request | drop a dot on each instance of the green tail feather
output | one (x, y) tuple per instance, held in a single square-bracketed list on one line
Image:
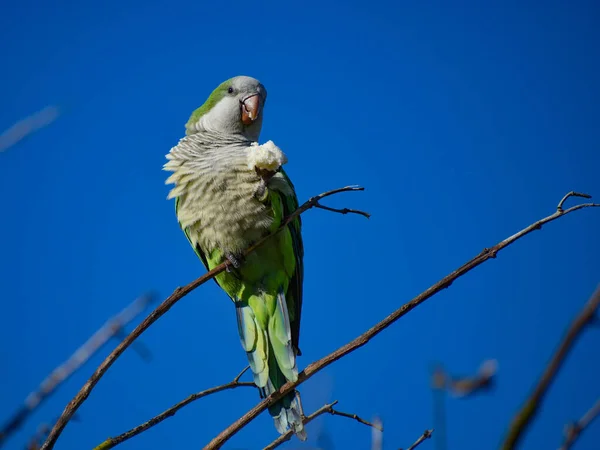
[(273, 362), (287, 412)]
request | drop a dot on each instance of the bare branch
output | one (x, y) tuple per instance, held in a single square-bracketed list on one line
[(426, 435), (113, 442), (377, 426), (571, 194), (27, 126), (239, 375), (344, 211), (574, 430), (463, 386), (326, 409), (364, 338), (40, 435), (524, 417), (161, 309), (75, 361)]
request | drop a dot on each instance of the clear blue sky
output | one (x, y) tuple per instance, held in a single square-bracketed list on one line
[(464, 122)]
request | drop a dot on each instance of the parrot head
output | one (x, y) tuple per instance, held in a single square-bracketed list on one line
[(234, 107)]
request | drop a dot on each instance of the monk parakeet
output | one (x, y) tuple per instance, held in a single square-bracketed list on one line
[(230, 192)]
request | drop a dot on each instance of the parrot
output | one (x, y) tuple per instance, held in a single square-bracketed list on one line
[(226, 199)]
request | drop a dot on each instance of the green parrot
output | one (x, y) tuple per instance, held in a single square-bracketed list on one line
[(230, 192)]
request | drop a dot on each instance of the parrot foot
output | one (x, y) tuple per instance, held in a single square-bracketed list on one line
[(236, 261), (261, 193)]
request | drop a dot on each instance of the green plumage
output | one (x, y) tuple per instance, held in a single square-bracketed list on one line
[(213, 99)]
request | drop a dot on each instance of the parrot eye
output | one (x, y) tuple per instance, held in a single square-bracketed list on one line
[(230, 90)]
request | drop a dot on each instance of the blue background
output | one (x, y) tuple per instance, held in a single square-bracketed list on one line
[(465, 122)]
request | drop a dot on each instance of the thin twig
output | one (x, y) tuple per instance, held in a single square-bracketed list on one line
[(27, 126), (426, 435), (40, 435), (574, 430), (113, 442), (161, 309), (364, 338), (344, 211), (75, 361), (464, 386), (525, 416), (377, 426), (571, 194), (326, 409)]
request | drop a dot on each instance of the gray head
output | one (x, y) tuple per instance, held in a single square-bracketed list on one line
[(234, 107)]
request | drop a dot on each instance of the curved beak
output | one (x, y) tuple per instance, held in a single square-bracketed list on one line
[(250, 108)]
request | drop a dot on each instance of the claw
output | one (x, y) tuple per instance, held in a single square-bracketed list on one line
[(261, 191), (234, 260)]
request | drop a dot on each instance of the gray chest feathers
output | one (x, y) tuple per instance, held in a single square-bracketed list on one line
[(217, 196), (222, 211)]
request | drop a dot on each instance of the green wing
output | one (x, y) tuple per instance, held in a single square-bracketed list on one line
[(294, 294)]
